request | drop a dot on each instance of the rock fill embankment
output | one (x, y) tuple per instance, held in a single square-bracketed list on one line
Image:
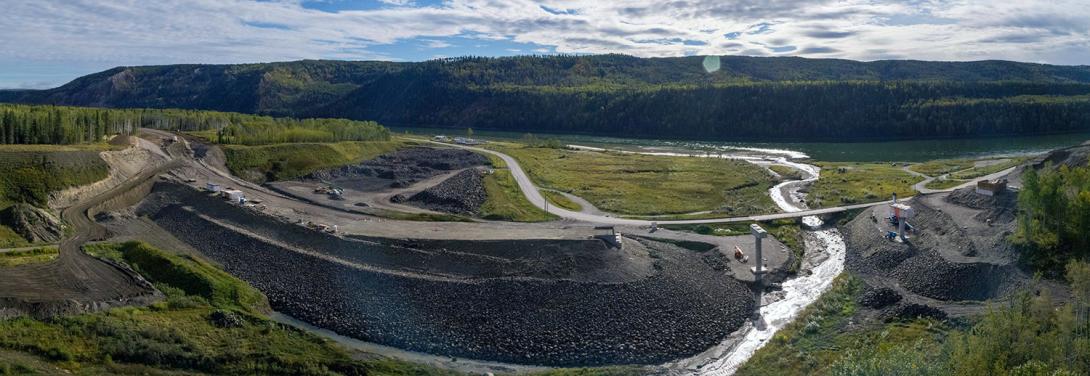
[(681, 308), (400, 169)]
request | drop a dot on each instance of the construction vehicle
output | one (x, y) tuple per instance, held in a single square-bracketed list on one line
[(332, 190), (739, 255)]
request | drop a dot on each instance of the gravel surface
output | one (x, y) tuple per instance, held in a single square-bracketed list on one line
[(462, 193), (400, 169), (879, 297), (568, 303), (953, 256)]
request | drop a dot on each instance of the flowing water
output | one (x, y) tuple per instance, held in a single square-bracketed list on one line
[(885, 151), (823, 262)]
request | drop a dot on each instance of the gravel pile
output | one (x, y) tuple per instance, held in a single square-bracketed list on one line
[(879, 297), (400, 169), (680, 309), (945, 259), (931, 275), (462, 193)]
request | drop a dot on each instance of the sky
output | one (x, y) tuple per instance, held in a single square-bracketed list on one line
[(46, 43)]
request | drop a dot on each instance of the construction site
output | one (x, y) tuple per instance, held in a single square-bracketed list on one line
[(562, 293), (587, 290)]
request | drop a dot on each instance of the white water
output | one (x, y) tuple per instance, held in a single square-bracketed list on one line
[(824, 260)]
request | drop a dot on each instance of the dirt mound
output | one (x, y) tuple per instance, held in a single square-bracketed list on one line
[(400, 169), (33, 224), (462, 193), (879, 297)]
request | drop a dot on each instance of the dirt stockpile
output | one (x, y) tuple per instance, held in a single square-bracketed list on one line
[(954, 254), (400, 169), (33, 224), (462, 193), (679, 309)]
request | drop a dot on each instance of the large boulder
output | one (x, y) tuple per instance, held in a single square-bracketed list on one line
[(32, 223)]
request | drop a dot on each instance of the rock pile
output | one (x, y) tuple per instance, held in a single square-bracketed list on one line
[(462, 193), (374, 291), (879, 297), (400, 169), (33, 224), (911, 311)]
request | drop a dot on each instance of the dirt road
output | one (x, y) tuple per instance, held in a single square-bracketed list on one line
[(76, 282)]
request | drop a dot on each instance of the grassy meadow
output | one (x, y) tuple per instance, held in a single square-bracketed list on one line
[(632, 184), (846, 183)]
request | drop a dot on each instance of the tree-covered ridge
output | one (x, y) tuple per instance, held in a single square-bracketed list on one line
[(1054, 215), (23, 124), (747, 98)]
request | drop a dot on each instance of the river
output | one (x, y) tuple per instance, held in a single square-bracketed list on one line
[(898, 151), (823, 262)]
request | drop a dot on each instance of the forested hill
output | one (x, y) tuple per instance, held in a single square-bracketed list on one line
[(746, 98)]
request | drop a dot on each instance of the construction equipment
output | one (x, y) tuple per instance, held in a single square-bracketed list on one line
[(334, 191)]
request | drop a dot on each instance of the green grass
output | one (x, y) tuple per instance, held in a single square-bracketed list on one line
[(289, 161), (507, 203), (561, 200), (789, 173), (11, 239), (855, 183), (942, 167), (944, 183), (631, 184), (193, 276), (28, 256), (177, 335), (977, 172), (826, 332), (29, 173)]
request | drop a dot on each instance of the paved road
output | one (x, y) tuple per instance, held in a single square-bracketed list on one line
[(534, 196)]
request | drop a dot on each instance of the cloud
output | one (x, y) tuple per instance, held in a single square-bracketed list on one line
[(104, 33), (817, 50), (828, 34)]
